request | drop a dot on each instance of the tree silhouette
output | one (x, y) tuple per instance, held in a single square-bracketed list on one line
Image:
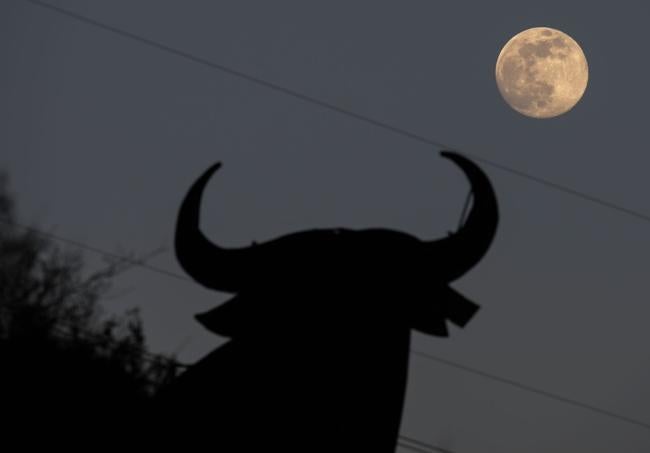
[(65, 364)]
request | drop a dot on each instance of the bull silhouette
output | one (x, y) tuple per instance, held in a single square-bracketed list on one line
[(319, 329)]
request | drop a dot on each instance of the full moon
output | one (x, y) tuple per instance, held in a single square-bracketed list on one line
[(542, 72)]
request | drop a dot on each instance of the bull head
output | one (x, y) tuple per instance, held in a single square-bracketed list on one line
[(390, 262)]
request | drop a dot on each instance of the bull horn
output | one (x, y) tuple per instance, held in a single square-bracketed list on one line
[(210, 265), (463, 249)]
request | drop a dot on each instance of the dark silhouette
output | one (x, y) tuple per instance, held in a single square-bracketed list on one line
[(320, 329), (68, 372)]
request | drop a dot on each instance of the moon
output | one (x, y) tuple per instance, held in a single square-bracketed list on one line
[(542, 72)]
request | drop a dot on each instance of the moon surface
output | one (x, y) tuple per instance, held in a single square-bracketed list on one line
[(542, 72)]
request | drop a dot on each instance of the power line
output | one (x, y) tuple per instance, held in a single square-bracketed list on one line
[(94, 249), (411, 448), (225, 69), (332, 107), (562, 188), (419, 445), (531, 389), (419, 449)]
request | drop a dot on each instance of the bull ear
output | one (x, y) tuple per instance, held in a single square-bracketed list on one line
[(449, 305), (227, 320), (435, 326), (429, 318), (458, 309)]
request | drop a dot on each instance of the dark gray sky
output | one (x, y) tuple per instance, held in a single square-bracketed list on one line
[(102, 136)]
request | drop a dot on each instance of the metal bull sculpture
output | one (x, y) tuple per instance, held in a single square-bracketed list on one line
[(319, 329)]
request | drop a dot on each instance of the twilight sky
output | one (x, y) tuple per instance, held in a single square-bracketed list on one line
[(102, 136)]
